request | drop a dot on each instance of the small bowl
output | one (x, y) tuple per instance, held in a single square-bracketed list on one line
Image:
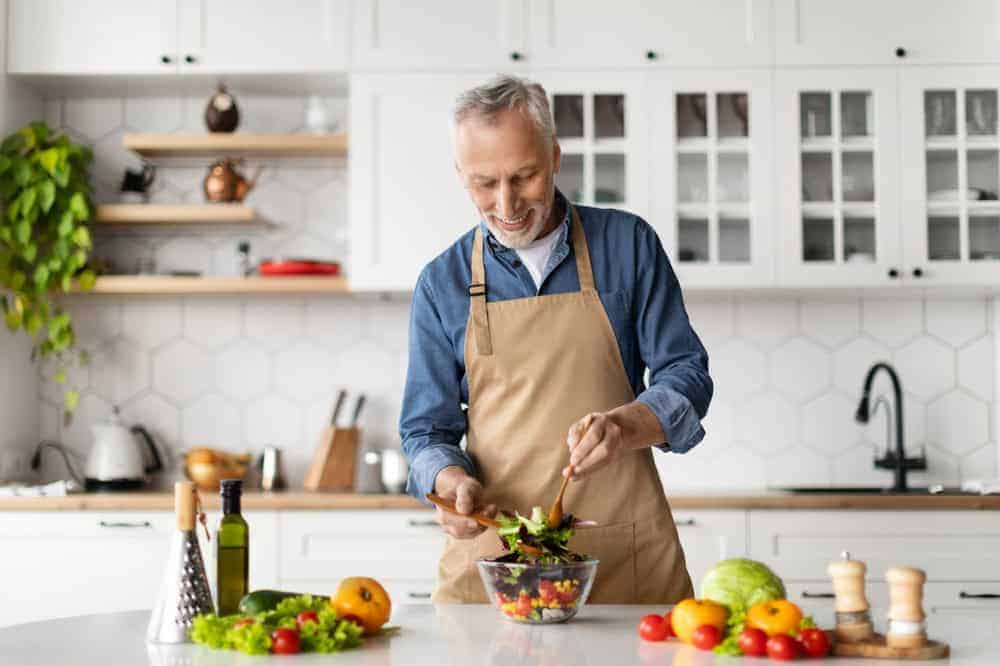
[(538, 593)]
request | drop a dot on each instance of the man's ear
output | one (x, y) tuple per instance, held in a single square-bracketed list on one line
[(556, 156)]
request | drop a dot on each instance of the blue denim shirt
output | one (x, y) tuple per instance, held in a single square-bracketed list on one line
[(639, 291)]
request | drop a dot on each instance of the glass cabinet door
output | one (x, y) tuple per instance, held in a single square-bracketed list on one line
[(951, 174), (836, 180), (600, 130), (711, 173)]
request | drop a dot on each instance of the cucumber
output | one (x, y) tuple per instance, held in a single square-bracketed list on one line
[(259, 601)]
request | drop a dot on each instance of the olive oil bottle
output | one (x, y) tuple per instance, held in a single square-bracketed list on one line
[(233, 554)]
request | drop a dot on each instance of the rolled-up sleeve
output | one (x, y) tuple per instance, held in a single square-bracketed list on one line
[(432, 421), (680, 388)]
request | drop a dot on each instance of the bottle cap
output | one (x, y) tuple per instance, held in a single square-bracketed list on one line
[(230, 487)]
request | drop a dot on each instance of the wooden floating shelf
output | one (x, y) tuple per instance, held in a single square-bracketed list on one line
[(167, 284), (219, 213), (236, 144)]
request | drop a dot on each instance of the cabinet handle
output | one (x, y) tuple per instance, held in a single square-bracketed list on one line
[(419, 595), (165, 59), (651, 55), (900, 52), (144, 523), (516, 55), (687, 522), (806, 594), (986, 595), (893, 273), (422, 523), (190, 59), (918, 272)]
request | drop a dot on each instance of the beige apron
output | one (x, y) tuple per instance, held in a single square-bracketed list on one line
[(535, 366)]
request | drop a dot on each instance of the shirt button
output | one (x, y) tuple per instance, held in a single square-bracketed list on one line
[(517, 263)]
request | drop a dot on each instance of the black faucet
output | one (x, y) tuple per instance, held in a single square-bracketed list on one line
[(894, 460)]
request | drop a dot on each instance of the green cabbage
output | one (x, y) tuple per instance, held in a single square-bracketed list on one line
[(740, 583)]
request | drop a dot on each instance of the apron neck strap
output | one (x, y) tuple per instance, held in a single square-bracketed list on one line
[(583, 268), (477, 297)]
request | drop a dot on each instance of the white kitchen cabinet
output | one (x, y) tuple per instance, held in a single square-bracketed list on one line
[(91, 36), (861, 32), (449, 35), (286, 36), (837, 177), (57, 564), (711, 166), (61, 563), (951, 153), (602, 127), (406, 202), (400, 549), (601, 35), (709, 536), (951, 546), (143, 37)]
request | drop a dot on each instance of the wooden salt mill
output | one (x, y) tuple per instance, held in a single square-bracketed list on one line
[(906, 613), (852, 610)]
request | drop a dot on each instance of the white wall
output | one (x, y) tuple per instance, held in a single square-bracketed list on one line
[(18, 379)]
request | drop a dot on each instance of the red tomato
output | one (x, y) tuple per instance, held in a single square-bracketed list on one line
[(753, 642), (782, 647), (815, 642), (524, 605), (306, 616), (653, 628), (706, 637), (669, 618), (242, 623), (547, 591), (284, 641)]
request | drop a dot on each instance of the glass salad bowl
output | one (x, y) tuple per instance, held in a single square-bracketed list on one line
[(535, 593)]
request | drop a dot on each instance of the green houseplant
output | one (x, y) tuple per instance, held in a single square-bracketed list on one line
[(44, 240)]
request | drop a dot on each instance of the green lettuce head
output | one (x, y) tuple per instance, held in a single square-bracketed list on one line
[(740, 583)]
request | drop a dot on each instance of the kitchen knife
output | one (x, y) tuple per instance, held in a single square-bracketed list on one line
[(357, 410), (341, 396)]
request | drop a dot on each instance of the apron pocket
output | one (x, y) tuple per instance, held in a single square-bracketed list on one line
[(614, 546)]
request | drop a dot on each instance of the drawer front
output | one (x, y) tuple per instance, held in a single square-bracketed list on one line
[(386, 545), (74, 563), (710, 536), (948, 545), (402, 592)]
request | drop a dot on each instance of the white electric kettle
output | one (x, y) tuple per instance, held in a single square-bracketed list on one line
[(116, 460)]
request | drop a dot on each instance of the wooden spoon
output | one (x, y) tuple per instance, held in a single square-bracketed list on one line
[(449, 506), (556, 512)]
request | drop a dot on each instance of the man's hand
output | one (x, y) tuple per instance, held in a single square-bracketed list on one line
[(455, 484), (599, 438)]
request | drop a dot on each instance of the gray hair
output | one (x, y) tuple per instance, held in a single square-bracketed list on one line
[(506, 92)]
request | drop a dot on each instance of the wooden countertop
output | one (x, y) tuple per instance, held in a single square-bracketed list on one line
[(331, 501)]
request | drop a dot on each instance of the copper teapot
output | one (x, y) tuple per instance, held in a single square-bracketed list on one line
[(224, 183)]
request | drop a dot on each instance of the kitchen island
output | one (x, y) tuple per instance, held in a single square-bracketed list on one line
[(440, 635)]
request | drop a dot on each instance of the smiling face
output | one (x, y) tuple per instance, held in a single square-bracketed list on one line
[(509, 168)]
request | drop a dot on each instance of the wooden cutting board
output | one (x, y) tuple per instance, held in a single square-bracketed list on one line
[(875, 648)]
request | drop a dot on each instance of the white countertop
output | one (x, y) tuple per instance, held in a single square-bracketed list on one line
[(440, 635)]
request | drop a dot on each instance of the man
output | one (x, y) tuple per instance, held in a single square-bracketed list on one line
[(542, 321)]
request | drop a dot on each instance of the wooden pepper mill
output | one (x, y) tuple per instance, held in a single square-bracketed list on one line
[(852, 610), (906, 613)]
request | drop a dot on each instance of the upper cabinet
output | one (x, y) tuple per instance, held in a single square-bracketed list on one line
[(91, 36), (862, 32), (711, 158), (456, 35), (406, 202), (951, 174), (142, 37), (638, 33), (837, 177), (290, 36)]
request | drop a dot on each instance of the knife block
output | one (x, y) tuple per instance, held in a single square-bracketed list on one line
[(333, 464)]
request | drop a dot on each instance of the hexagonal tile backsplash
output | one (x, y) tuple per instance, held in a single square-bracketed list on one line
[(241, 373)]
